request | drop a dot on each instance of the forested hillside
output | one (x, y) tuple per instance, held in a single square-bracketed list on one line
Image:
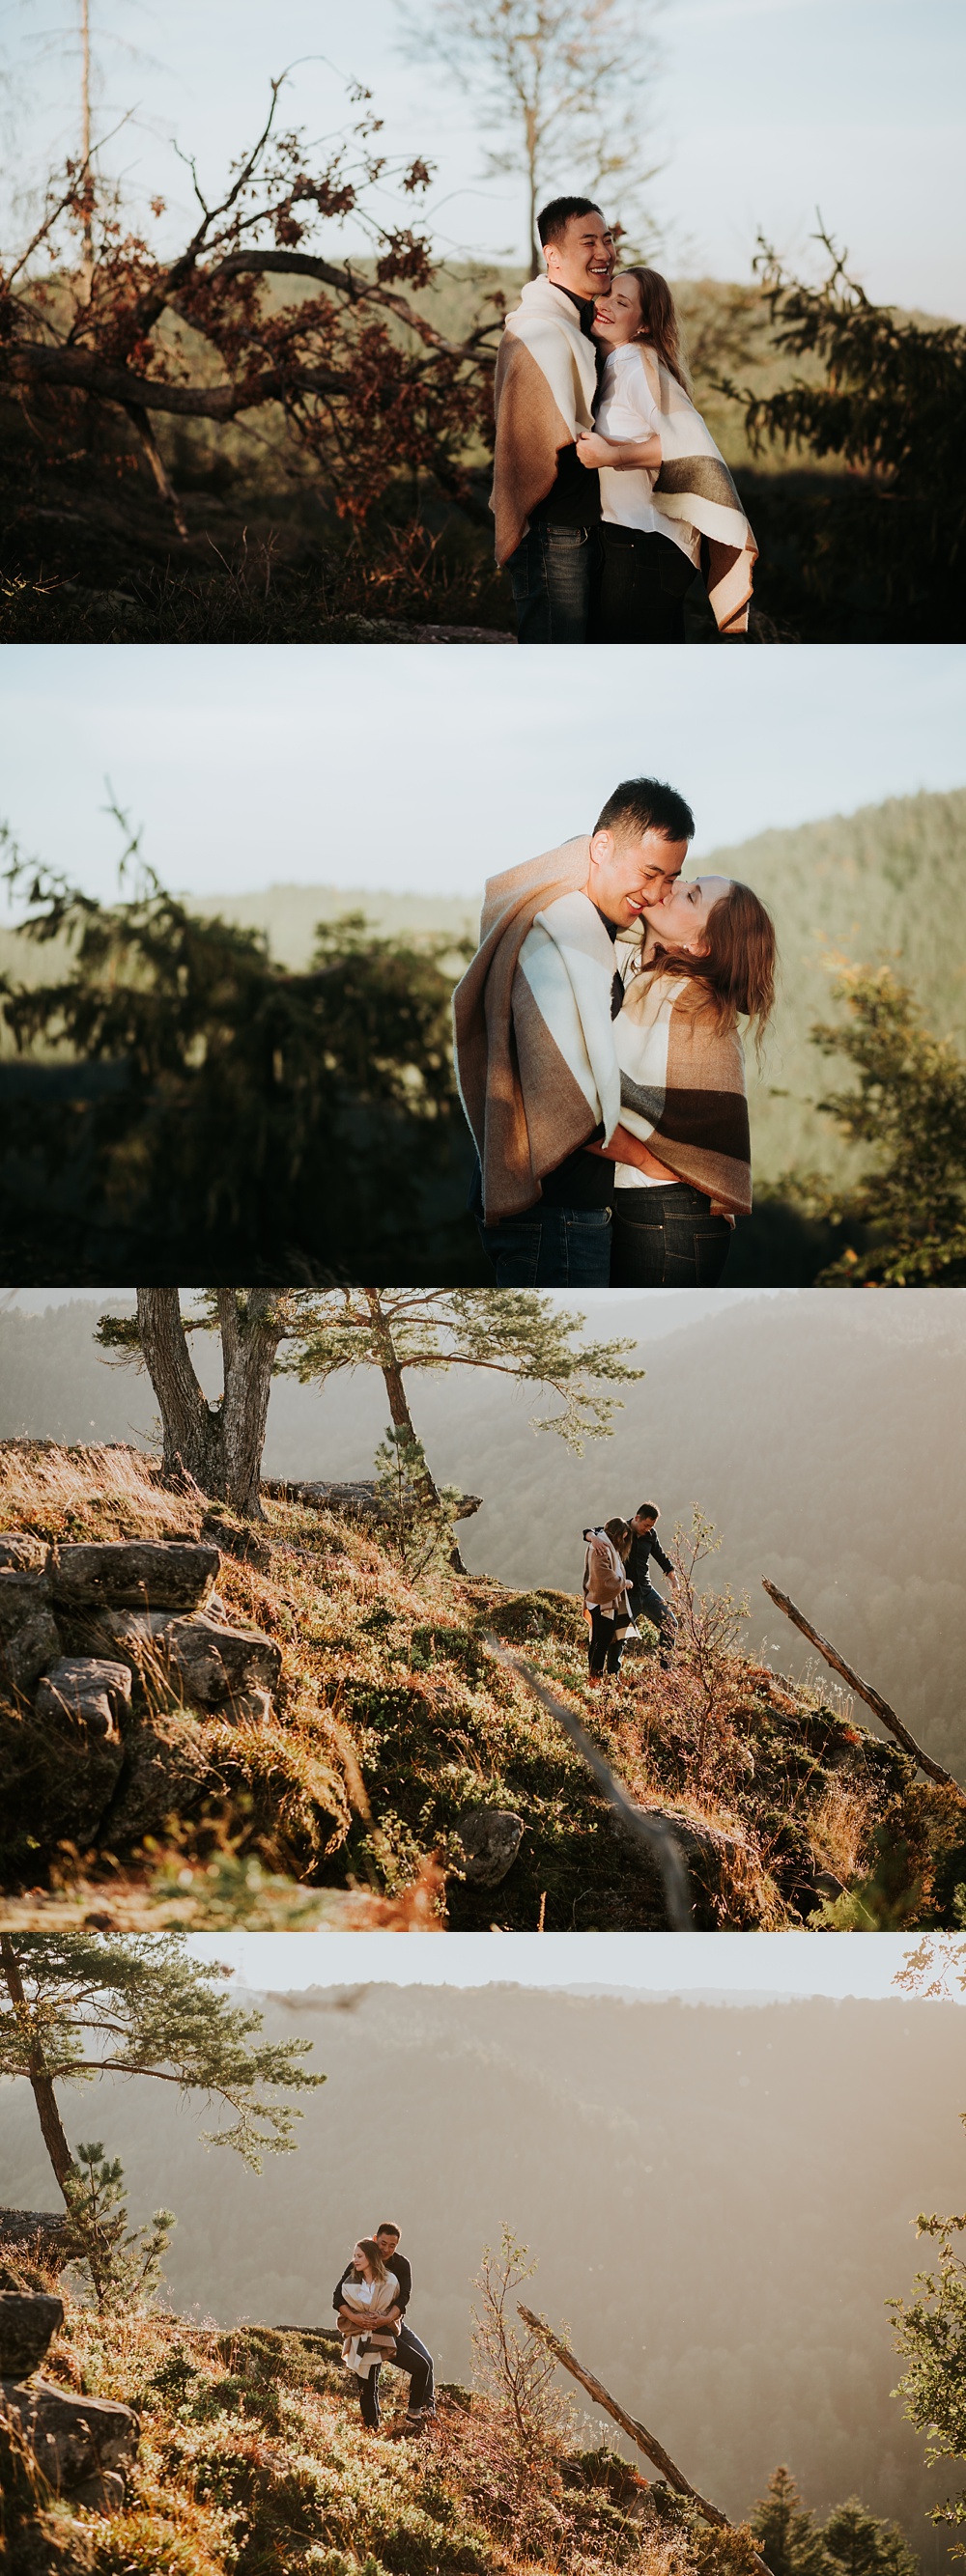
[(720, 2200)]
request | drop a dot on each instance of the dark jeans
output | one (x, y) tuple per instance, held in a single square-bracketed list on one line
[(369, 2398), (551, 574), (411, 2355), (606, 1644), (647, 1604), (667, 1238), (550, 1247), (638, 596)]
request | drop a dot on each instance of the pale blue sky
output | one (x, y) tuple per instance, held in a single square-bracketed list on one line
[(422, 769), (764, 110), (730, 1963)]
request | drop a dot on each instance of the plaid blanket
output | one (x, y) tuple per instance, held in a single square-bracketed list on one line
[(683, 1088), (694, 490), (546, 383), (548, 1053), (535, 1057)]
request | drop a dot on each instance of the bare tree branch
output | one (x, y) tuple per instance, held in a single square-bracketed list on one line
[(872, 1698), (638, 2433)]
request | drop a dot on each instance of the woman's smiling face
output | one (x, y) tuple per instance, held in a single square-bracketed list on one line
[(681, 921), (618, 316)]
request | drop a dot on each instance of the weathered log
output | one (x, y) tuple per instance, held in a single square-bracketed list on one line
[(873, 1698), (360, 1500), (648, 1831), (638, 2433)]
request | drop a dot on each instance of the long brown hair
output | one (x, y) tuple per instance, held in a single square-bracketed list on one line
[(659, 322), (368, 2247), (739, 961), (618, 1532)]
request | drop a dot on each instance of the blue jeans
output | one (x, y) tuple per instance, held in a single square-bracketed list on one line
[(648, 1603), (411, 2355), (550, 1247), (667, 1238), (551, 573)]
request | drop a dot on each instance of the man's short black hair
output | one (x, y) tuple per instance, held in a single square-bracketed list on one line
[(647, 805), (647, 1512), (552, 223), (388, 2227)]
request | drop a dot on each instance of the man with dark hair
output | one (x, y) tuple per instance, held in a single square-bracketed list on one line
[(645, 1601), (410, 2355), (535, 1054), (546, 504)]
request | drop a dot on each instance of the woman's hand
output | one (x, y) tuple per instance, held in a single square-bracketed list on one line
[(593, 450), (624, 454)]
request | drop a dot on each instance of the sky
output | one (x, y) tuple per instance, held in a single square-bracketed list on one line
[(729, 1963), (422, 771), (763, 112)]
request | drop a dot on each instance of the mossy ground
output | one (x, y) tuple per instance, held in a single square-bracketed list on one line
[(394, 1716), (252, 2461)]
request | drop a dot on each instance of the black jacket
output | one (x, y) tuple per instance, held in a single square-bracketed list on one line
[(642, 1549)]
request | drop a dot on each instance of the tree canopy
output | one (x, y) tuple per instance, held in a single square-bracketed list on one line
[(78, 2005), (909, 1105)]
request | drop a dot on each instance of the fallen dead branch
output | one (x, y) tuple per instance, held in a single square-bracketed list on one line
[(873, 1698), (657, 1839), (638, 2433)]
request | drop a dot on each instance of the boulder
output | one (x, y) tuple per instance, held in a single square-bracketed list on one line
[(88, 1689), (36, 2234), (491, 1838), (28, 1635), (215, 1663), (134, 1574), (58, 1773), (167, 1773), (29, 2320), (73, 2439), (21, 1551)]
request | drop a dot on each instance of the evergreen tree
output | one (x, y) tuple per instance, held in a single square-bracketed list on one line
[(785, 2529), (909, 1105), (859, 2545), (75, 2005)]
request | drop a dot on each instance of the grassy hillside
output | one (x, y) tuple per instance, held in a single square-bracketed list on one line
[(719, 2201), (823, 1434), (393, 1722)]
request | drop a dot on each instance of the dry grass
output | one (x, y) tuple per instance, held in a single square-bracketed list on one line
[(840, 1829), (393, 1716)]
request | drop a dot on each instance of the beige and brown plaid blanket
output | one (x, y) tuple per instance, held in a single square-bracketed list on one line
[(683, 1088), (546, 382), (543, 1064), (694, 489)]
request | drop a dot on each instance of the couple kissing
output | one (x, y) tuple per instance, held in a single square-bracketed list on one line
[(599, 1056)]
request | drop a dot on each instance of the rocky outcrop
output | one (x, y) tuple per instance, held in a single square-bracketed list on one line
[(85, 1687), (29, 2321), (82, 2446), (490, 1839), (155, 1574), (20, 1550), (113, 1744), (28, 1634), (36, 2234)]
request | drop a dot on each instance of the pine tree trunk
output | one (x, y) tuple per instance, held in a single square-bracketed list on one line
[(220, 1444), (192, 1431), (395, 1389), (249, 1343), (39, 2078)]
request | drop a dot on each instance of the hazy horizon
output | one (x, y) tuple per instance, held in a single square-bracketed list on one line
[(237, 785)]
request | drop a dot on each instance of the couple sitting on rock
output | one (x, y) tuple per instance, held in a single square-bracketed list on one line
[(618, 1590), (370, 2299)]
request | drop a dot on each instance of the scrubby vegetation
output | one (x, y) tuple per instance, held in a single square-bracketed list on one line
[(252, 2460), (393, 1720)]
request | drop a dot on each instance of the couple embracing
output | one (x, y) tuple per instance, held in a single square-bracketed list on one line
[(609, 494), (599, 1055), (370, 2299)]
